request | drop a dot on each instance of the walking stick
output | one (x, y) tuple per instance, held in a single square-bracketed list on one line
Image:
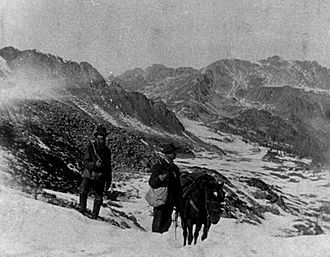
[(175, 229), (175, 223), (94, 150)]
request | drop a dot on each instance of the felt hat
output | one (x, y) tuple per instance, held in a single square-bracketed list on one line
[(100, 130), (169, 148)]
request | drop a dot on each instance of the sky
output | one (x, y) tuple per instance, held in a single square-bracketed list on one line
[(115, 36)]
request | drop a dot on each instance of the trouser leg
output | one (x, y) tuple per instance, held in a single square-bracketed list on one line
[(98, 190), (167, 219), (162, 219), (83, 194), (82, 203), (156, 222)]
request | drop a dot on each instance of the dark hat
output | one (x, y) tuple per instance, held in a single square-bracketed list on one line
[(100, 130), (169, 148)]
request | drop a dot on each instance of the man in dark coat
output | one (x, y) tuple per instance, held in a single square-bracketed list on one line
[(166, 173), (98, 173)]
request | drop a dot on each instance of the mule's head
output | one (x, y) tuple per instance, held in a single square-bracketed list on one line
[(215, 196)]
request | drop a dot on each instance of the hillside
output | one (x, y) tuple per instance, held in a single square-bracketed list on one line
[(37, 73), (49, 108)]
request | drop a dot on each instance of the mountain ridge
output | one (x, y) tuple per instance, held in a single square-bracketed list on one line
[(84, 81), (295, 91)]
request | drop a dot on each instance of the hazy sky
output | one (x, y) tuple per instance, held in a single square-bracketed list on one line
[(116, 35)]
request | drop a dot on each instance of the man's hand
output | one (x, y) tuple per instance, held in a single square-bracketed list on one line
[(107, 186), (98, 163), (162, 177)]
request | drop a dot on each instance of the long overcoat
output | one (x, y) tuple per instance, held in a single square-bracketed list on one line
[(172, 181), (103, 173)]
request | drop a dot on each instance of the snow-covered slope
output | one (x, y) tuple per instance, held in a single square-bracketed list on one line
[(32, 227), (303, 188)]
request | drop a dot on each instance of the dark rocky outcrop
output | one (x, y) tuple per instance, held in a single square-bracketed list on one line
[(81, 83), (48, 140)]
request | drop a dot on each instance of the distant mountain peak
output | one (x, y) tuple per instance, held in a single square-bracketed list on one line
[(273, 59), (9, 53), (40, 66)]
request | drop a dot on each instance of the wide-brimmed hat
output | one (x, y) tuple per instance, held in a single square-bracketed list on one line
[(169, 148), (100, 130)]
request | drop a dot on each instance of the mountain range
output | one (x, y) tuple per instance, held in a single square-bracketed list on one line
[(275, 102)]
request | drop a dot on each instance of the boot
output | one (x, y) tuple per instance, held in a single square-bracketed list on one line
[(82, 203), (96, 209)]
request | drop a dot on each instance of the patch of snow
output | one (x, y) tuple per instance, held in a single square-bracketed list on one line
[(304, 88), (41, 144), (225, 141), (81, 106), (105, 115), (5, 156), (138, 125), (144, 142), (4, 69)]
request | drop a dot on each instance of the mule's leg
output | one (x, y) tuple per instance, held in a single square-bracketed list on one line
[(190, 232), (185, 232), (206, 228), (197, 229)]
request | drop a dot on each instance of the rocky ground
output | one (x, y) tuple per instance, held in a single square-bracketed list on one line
[(48, 139)]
